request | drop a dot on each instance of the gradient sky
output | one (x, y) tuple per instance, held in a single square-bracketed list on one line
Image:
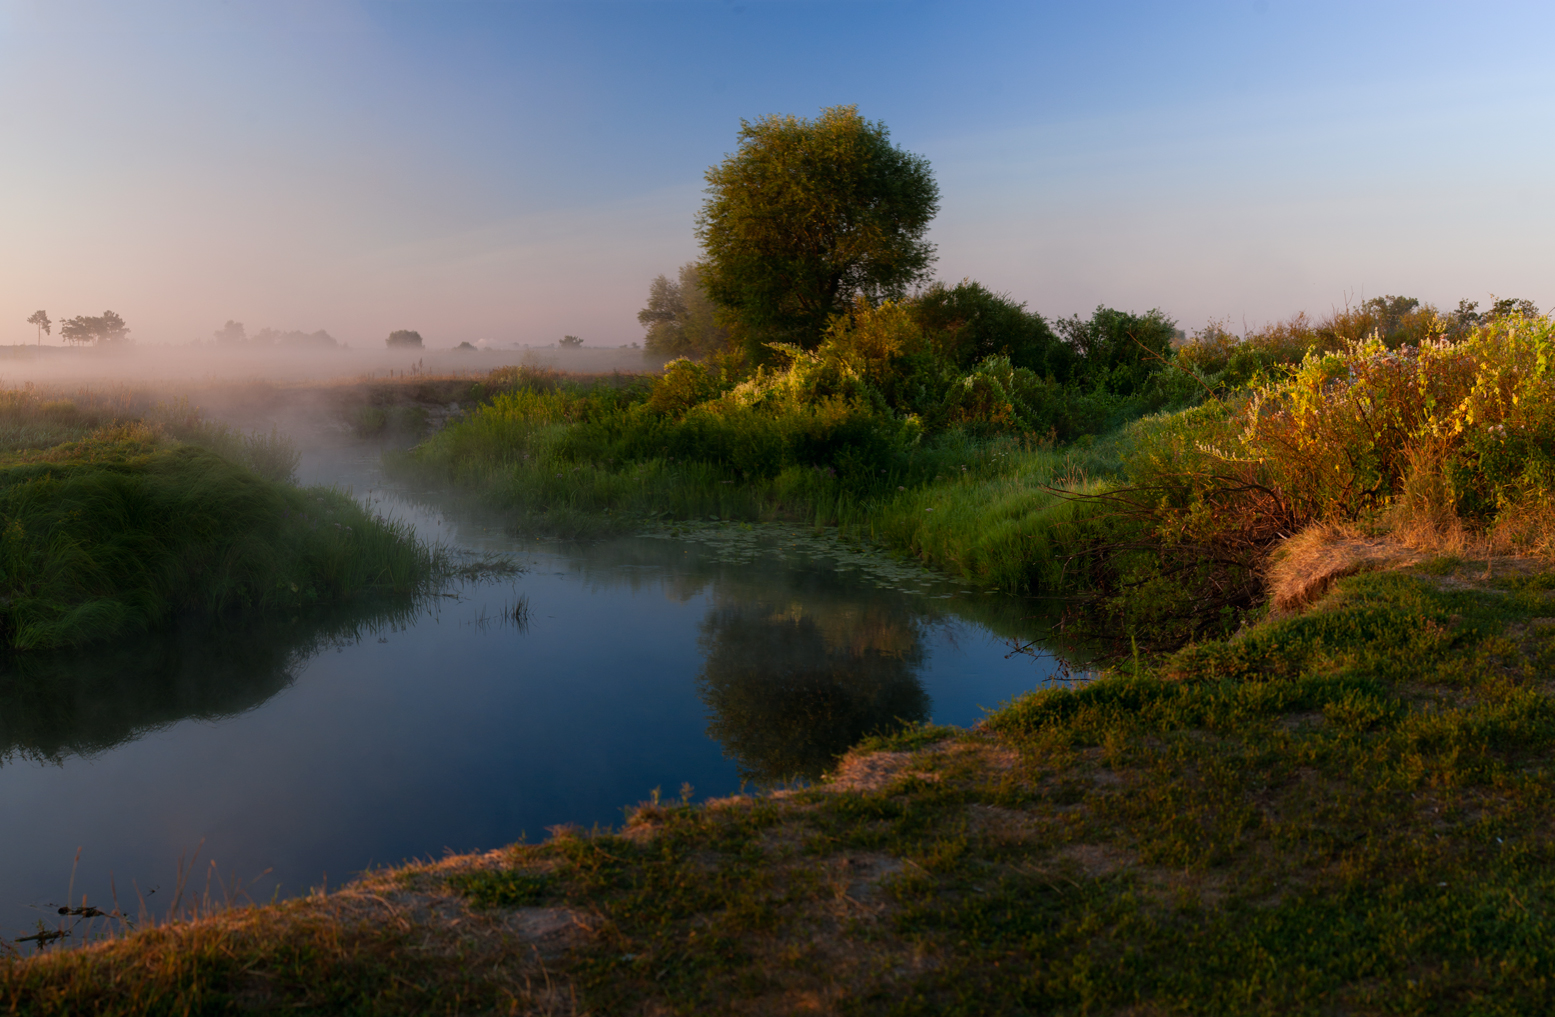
[(519, 171)]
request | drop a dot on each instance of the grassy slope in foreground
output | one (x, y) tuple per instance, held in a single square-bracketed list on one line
[(1341, 812)]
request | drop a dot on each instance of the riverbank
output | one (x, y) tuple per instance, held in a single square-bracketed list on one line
[(988, 508), (121, 510), (1342, 810), (1155, 512)]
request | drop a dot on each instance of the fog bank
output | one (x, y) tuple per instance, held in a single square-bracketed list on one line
[(144, 364)]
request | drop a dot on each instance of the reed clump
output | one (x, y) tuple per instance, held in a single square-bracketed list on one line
[(117, 515)]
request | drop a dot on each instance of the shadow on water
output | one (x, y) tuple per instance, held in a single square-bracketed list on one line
[(84, 702)]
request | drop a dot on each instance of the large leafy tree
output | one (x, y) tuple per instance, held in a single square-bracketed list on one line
[(809, 215)]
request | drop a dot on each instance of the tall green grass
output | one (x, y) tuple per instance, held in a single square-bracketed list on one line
[(126, 514), (92, 548), (990, 508)]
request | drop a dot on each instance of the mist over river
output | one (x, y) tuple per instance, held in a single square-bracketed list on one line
[(293, 752)]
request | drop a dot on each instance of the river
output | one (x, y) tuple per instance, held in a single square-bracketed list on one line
[(290, 754)]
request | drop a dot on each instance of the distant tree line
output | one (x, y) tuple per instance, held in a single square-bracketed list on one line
[(234, 334), (102, 329), (105, 328)]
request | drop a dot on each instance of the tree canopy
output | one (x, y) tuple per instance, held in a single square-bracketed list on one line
[(971, 322), (1117, 350), (404, 337), (808, 215), (107, 327)]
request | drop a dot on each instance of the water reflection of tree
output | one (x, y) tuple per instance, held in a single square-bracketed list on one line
[(79, 702), (791, 688)]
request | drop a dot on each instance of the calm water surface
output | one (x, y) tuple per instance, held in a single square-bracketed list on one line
[(299, 752)]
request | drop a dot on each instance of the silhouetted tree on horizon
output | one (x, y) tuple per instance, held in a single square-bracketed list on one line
[(41, 319)]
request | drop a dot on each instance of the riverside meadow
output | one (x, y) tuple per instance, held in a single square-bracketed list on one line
[(1286, 746)]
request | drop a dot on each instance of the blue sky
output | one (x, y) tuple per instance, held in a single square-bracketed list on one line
[(517, 171)]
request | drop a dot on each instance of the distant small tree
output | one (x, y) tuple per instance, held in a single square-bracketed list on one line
[(1396, 319), (107, 327), (571, 342), (41, 319), (404, 338), (231, 334), (680, 316), (1508, 306), (662, 317)]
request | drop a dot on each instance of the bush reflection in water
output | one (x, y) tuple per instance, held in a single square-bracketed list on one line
[(791, 687), (55, 704), (800, 660)]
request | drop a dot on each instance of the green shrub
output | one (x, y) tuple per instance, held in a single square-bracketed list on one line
[(684, 384), (969, 323), (1434, 439), (1118, 351)]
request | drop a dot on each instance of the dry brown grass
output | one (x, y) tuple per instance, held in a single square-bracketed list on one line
[(1308, 564), (1304, 567), (396, 941)]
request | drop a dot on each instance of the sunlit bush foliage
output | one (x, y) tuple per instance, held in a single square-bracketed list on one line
[(1442, 435)]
